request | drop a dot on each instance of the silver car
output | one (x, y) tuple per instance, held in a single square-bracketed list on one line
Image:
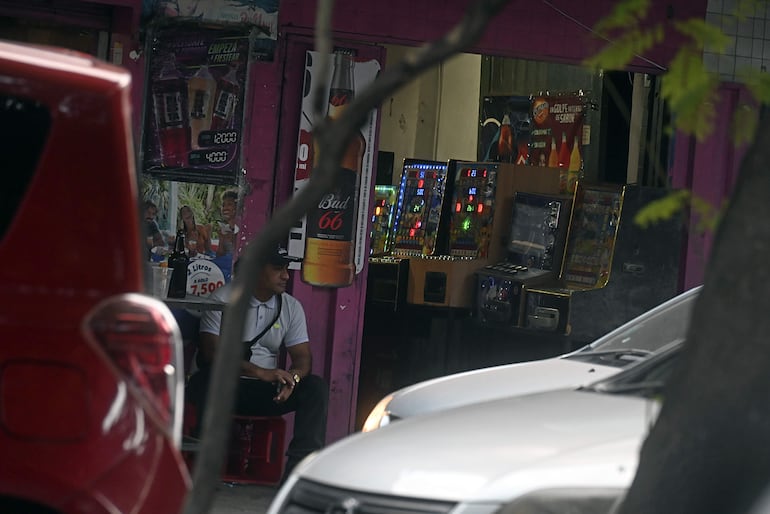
[(632, 341)]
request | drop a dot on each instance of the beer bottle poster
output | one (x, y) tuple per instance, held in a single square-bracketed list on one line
[(340, 220), (194, 103), (558, 136)]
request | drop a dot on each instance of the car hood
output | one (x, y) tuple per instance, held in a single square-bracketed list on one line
[(495, 383), (494, 451)]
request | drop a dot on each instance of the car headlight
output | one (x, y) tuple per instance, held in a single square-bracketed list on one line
[(379, 416), (560, 501)]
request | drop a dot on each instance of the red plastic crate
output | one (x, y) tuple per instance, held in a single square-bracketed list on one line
[(255, 451)]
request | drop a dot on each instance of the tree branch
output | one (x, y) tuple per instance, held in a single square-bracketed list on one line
[(333, 138)]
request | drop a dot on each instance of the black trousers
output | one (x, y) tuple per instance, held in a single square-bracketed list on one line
[(309, 401)]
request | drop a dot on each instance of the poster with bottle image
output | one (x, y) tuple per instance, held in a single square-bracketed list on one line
[(196, 83), (558, 136), (504, 129), (208, 217), (331, 239)]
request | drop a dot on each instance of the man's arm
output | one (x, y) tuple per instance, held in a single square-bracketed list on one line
[(208, 349), (301, 358)]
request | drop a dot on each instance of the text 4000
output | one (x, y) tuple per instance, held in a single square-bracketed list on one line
[(215, 157)]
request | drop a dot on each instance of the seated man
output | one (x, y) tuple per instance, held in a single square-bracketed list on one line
[(274, 318)]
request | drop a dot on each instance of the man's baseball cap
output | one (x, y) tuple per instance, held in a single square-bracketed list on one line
[(281, 257)]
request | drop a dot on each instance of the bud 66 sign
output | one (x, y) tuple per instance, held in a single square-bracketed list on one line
[(364, 73)]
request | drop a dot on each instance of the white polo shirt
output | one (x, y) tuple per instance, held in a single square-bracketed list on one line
[(290, 328)]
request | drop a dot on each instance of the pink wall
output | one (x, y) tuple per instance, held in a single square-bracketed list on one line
[(557, 30), (709, 170)]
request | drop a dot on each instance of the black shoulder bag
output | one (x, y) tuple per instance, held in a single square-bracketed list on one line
[(247, 349)]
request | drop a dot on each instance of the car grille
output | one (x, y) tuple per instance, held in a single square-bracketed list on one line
[(309, 497)]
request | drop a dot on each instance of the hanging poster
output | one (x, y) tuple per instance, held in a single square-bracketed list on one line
[(505, 129), (262, 13), (557, 135), (335, 231), (194, 104)]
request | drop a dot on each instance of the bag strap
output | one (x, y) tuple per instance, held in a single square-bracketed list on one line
[(279, 300)]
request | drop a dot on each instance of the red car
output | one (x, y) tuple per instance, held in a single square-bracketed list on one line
[(90, 368)]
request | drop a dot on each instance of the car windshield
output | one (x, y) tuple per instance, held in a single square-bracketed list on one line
[(645, 379), (644, 335)]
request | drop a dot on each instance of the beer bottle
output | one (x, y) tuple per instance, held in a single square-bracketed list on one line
[(330, 232), (178, 261)]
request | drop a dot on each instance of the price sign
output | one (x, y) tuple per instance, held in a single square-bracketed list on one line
[(203, 277), (209, 138), (208, 157)]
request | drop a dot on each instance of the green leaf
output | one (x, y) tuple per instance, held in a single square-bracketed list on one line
[(622, 51), (662, 209), (704, 34), (691, 92), (707, 215), (758, 82), (744, 124)]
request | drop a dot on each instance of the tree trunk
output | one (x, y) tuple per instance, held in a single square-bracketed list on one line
[(709, 451)]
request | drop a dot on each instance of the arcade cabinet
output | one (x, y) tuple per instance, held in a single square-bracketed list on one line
[(483, 193), (534, 253), (613, 269)]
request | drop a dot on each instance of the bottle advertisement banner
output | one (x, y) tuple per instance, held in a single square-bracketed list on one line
[(331, 239), (557, 136), (194, 104)]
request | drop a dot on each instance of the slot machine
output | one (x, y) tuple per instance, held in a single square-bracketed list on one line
[(534, 254), (383, 212), (422, 215), (613, 269), (476, 229), (386, 279), (473, 206)]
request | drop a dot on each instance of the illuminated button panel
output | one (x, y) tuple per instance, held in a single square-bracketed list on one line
[(472, 209), (421, 199)]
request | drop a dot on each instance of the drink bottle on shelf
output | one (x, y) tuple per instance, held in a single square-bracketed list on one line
[(178, 261), (330, 236)]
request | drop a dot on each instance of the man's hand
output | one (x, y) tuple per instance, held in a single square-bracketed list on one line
[(284, 383)]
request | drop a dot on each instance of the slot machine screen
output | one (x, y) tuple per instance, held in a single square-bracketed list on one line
[(472, 208), (538, 230), (382, 219), (422, 215)]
